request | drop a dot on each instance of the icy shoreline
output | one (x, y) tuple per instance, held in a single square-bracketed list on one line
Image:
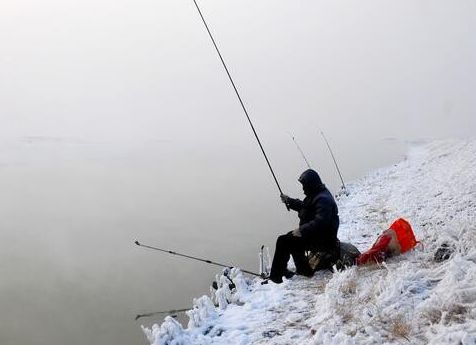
[(410, 299)]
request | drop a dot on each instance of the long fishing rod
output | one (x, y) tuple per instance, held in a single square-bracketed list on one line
[(335, 162), (193, 258), (301, 151), (239, 98), (173, 311)]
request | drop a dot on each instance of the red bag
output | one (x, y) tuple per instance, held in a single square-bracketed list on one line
[(405, 235), (399, 238)]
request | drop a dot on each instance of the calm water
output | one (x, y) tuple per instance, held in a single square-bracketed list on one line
[(70, 211)]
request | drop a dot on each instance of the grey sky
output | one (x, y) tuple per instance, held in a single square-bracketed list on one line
[(134, 69)]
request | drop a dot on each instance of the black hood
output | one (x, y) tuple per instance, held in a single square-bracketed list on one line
[(311, 182)]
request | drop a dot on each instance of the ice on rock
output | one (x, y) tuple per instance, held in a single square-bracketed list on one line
[(168, 332), (203, 310), (223, 295)]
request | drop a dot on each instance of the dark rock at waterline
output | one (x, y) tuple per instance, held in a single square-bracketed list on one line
[(443, 253)]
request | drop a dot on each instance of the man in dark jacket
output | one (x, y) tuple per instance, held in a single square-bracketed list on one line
[(318, 225)]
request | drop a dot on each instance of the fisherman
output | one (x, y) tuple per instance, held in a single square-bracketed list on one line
[(317, 232)]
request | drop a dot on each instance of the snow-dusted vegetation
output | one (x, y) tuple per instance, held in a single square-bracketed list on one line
[(414, 298)]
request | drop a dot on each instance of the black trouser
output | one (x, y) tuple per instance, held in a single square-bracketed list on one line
[(288, 245)]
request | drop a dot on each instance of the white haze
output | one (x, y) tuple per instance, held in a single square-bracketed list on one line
[(118, 123)]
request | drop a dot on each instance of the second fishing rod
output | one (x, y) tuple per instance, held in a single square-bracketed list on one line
[(343, 187), (207, 261)]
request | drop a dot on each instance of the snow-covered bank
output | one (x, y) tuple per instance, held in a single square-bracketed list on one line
[(409, 299)]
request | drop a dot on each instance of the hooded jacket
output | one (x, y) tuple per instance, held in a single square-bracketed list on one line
[(318, 218)]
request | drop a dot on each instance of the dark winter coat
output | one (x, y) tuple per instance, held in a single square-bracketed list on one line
[(318, 219)]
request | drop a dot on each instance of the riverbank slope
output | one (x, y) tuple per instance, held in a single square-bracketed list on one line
[(412, 298)]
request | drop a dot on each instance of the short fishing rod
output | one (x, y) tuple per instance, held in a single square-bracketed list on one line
[(239, 98), (301, 151), (193, 258), (169, 312), (335, 162)]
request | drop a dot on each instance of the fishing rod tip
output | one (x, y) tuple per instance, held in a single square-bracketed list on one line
[(137, 242)]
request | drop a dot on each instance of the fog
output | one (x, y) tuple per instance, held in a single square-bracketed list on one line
[(118, 123)]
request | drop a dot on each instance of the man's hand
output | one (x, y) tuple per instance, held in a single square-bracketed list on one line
[(285, 198), (296, 233)]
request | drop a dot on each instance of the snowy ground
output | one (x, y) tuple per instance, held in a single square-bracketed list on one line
[(410, 299)]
